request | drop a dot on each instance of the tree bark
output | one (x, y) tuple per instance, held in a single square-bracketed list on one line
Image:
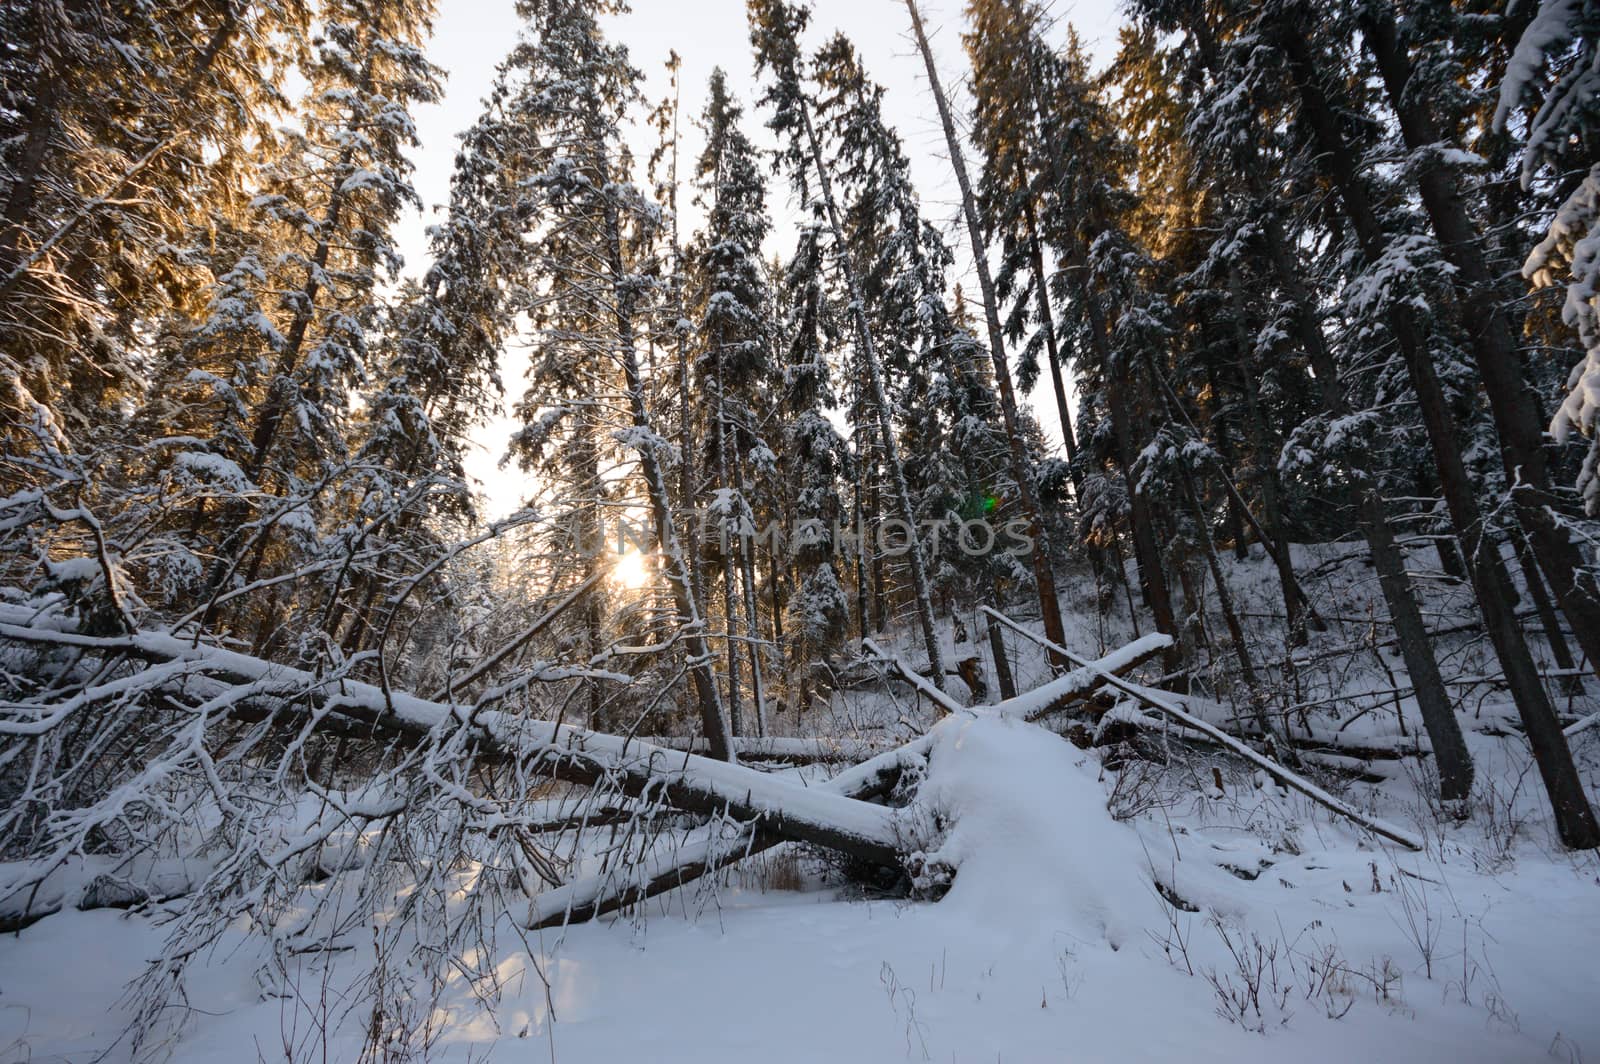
[(1549, 619), (997, 649), (1141, 521), (1230, 618)]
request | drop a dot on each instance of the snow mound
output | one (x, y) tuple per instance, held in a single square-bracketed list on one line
[(1024, 825)]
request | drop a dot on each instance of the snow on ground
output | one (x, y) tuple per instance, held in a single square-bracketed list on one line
[(1052, 944), (1207, 915)]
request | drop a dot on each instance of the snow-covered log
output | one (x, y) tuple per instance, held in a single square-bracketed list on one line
[(603, 893), (1081, 683), (1580, 726), (1290, 779), (1053, 697), (787, 749), (941, 701), (597, 895), (683, 781)]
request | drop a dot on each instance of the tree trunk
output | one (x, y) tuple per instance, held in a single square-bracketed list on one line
[(1047, 325), (1492, 339), (1575, 820), (752, 616), (713, 721), (880, 401), (1230, 617), (1043, 573), (997, 648), (1141, 521), (1548, 617)]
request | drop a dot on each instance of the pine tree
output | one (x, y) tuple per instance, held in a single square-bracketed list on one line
[(816, 461), (285, 341), (946, 400), (1559, 44), (1009, 62), (1102, 288), (1386, 257), (124, 129), (1237, 154), (1418, 91)]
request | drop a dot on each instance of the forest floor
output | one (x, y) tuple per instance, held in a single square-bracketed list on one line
[(1296, 936)]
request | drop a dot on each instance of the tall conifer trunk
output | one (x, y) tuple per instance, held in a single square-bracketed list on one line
[(1575, 820), (1491, 337), (1044, 578)]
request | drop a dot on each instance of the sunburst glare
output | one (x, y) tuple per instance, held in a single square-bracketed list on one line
[(631, 569)]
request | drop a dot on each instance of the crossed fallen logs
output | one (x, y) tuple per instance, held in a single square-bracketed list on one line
[(742, 810)]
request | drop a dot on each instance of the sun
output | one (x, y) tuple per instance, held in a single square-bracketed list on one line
[(631, 570)]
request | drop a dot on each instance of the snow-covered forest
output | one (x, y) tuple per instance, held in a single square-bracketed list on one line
[(1137, 599)]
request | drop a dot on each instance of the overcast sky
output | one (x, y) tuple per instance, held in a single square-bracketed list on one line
[(472, 36)]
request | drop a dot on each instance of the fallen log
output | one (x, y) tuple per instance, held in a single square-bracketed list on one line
[(1052, 697), (598, 895), (231, 686), (1079, 685), (941, 701), (1580, 726), (684, 781), (593, 896), (786, 749), (1240, 727), (1358, 767), (1283, 775)]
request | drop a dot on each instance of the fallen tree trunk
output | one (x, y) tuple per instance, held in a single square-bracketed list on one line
[(1580, 726), (1053, 697), (1371, 749), (1283, 775), (232, 687), (786, 749), (598, 895), (1069, 689), (683, 781), (593, 896), (1350, 765), (941, 701)]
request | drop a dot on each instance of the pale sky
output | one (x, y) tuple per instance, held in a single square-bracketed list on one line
[(472, 36)]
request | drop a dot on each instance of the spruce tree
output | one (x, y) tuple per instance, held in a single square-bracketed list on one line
[(729, 295), (775, 29), (561, 159)]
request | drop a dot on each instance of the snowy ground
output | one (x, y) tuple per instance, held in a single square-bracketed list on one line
[(1055, 942)]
